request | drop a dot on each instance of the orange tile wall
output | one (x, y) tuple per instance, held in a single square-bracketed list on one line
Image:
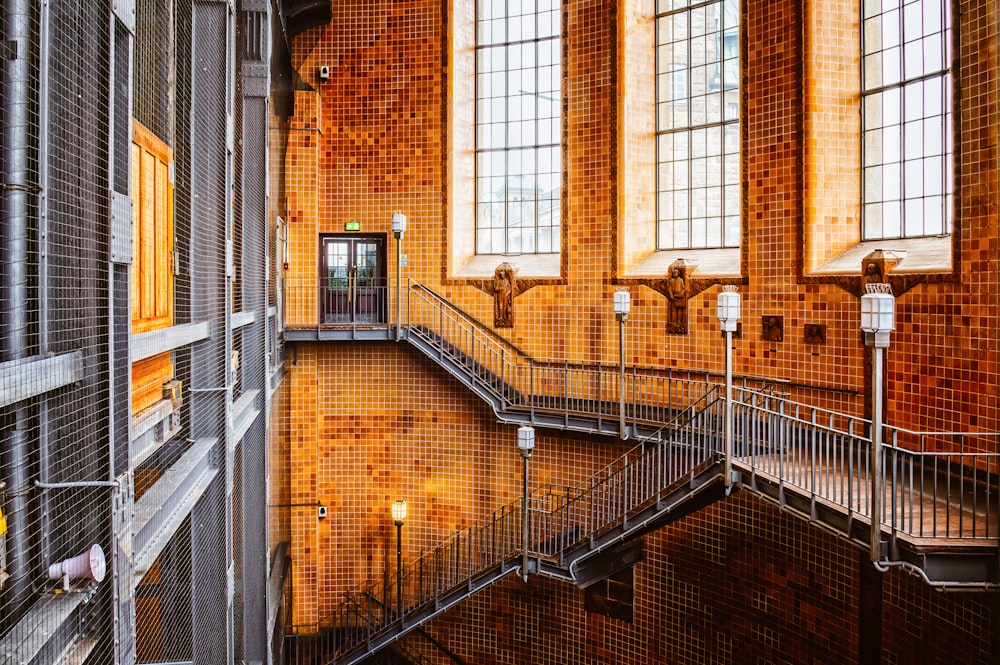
[(369, 422)]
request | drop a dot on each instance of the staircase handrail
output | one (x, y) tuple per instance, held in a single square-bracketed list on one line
[(936, 475), (465, 554), (617, 495), (447, 304), (676, 422)]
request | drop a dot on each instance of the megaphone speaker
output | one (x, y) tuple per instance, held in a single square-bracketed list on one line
[(90, 565)]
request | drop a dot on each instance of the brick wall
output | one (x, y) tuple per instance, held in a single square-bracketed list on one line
[(740, 582)]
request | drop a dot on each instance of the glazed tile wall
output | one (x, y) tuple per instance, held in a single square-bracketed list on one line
[(740, 582), (378, 421), (370, 421)]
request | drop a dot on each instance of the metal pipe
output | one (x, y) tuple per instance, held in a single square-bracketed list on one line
[(622, 432), (399, 569), (43, 270), (399, 286), (729, 411), (79, 483), (524, 525), (875, 466), (17, 190)]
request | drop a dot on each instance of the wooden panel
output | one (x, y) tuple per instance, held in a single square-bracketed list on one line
[(133, 194), (148, 377), (153, 226), (152, 281)]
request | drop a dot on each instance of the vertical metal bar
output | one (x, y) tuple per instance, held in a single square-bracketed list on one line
[(503, 373), (566, 392), (524, 524), (961, 487), (622, 432), (875, 470), (600, 401), (531, 388), (728, 453)]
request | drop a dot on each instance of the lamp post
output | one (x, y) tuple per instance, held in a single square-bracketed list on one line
[(525, 444), (398, 229), (878, 319), (728, 311), (398, 517), (622, 304)]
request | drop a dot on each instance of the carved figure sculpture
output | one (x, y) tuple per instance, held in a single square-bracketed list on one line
[(503, 295), (678, 297), (773, 328)]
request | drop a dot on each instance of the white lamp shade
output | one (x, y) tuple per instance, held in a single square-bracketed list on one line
[(525, 439), (878, 312), (728, 310), (399, 511), (623, 302), (398, 222)]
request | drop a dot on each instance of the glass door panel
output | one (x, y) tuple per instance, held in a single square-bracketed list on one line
[(352, 280)]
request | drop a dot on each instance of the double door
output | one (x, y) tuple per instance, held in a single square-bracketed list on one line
[(353, 284)]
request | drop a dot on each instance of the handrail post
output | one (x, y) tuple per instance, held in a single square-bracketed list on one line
[(875, 465), (531, 388), (399, 284), (729, 410), (622, 432), (566, 391)]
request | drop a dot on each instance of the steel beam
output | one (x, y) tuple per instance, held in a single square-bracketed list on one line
[(148, 344), (245, 412), (30, 377), (164, 506), (25, 644), (242, 319)]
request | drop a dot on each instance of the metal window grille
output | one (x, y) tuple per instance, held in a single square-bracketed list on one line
[(906, 119), (518, 127), (697, 124)]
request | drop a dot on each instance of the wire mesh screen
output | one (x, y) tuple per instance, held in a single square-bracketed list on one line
[(55, 461), (134, 351)]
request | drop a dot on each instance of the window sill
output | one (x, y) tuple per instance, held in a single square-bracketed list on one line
[(483, 266), (711, 263), (918, 256)]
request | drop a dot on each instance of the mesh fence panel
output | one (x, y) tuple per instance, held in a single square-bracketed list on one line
[(134, 319)]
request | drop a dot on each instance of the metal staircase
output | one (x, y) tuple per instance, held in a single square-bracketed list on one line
[(668, 475), (593, 398), (938, 491)]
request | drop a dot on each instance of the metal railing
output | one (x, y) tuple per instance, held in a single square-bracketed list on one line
[(934, 485), (377, 612), (435, 580), (549, 390), (315, 302), (563, 518)]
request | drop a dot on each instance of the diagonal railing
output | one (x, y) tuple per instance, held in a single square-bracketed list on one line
[(562, 529), (937, 486), (936, 489), (589, 397)]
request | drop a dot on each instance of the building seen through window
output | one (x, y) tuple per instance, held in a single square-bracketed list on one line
[(907, 118), (518, 127), (697, 124)]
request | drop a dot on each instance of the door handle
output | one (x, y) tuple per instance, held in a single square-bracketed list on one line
[(352, 284)]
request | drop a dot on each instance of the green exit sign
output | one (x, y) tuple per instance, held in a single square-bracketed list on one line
[(352, 226)]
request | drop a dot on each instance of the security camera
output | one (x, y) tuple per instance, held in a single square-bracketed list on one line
[(324, 72)]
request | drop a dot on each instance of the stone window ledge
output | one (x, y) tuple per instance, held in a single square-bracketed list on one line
[(920, 255), (722, 263), (483, 266)]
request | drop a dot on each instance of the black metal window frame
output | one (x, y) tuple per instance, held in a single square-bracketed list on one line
[(911, 212), (514, 220), (674, 87)]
